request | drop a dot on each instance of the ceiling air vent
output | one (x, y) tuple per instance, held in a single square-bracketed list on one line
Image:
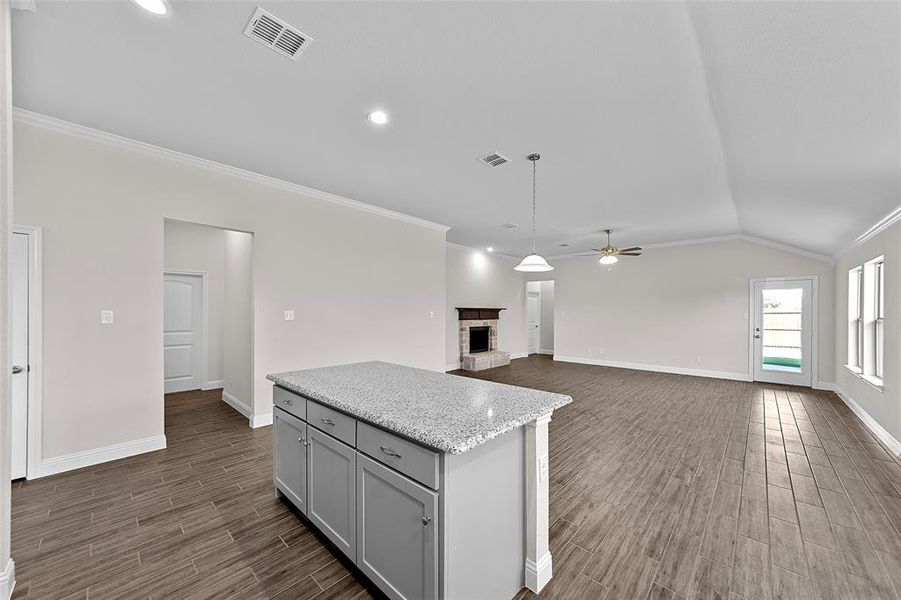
[(277, 35), (495, 159)]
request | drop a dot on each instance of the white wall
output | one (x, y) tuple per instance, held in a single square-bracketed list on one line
[(885, 405), (5, 221), (546, 289), (362, 284), (676, 303), (192, 247), (481, 279), (238, 326)]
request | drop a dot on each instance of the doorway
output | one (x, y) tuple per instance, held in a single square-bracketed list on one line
[(783, 330), (25, 313), (208, 312), (540, 317)]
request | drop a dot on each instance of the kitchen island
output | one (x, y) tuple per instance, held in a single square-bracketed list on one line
[(435, 486)]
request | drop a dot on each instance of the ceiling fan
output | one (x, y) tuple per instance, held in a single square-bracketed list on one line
[(610, 254)]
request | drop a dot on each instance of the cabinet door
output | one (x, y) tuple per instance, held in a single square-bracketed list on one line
[(332, 490), (289, 460), (396, 532)]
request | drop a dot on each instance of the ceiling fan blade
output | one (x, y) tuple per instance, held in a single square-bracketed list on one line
[(632, 249), (629, 253), (598, 250)]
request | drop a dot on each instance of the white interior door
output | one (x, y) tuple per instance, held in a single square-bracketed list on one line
[(183, 332), (533, 321), (19, 334), (783, 331)]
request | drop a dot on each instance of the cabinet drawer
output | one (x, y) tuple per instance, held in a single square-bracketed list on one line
[(410, 459), (332, 422), (290, 402)]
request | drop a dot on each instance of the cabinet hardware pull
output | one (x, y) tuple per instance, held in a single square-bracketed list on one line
[(17, 369), (302, 441), (426, 521), (327, 421), (390, 451), (286, 401)]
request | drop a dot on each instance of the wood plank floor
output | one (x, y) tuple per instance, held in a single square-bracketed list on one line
[(662, 487)]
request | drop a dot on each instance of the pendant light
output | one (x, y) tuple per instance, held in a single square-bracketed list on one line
[(533, 263)]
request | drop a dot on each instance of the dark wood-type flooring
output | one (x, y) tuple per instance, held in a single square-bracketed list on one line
[(662, 487)]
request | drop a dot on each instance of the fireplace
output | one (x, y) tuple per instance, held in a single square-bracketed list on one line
[(479, 339)]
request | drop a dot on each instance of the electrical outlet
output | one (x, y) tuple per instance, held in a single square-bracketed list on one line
[(106, 317), (289, 315), (431, 314)]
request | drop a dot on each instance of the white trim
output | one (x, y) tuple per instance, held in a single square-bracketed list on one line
[(205, 321), (237, 404), (547, 351), (452, 366), (8, 580), (261, 420), (86, 458), (824, 385), (655, 368), (213, 384), (32, 118), (880, 226), (814, 321), (721, 238), (538, 294), (35, 348), (878, 430), (538, 575), (519, 355)]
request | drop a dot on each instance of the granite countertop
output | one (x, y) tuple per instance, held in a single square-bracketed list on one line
[(450, 413)]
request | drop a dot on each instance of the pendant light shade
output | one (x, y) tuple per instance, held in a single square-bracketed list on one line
[(534, 262)]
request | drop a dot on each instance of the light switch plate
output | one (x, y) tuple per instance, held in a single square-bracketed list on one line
[(289, 315), (106, 317)]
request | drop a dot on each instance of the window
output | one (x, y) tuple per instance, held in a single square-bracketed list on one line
[(855, 319), (866, 320), (878, 316)]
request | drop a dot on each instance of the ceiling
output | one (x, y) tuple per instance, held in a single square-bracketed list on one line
[(665, 121)]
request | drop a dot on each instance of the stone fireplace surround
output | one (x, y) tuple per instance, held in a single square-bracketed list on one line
[(480, 317)]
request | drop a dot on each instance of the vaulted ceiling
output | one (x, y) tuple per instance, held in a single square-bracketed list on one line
[(666, 121)]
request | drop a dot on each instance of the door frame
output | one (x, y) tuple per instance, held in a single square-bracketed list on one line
[(35, 403), (538, 293), (204, 324), (814, 321)]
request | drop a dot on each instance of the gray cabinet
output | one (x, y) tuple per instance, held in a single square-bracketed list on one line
[(332, 490), (397, 541), (289, 459)]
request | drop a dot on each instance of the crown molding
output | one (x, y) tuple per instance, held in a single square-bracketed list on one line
[(28, 117), (880, 226), (722, 238)]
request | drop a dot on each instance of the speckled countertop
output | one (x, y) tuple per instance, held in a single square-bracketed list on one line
[(446, 412)]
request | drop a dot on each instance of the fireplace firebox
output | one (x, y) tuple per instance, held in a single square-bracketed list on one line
[(479, 339)]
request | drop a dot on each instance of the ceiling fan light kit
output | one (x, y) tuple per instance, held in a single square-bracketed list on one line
[(534, 262)]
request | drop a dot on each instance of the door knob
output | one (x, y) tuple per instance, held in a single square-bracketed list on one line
[(426, 521), (17, 369)]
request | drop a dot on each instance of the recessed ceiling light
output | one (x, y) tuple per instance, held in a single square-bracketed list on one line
[(564, 244), (490, 248), (510, 226), (154, 7), (378, 117)]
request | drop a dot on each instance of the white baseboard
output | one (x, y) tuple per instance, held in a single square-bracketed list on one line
[(8, 580), (261, 420), (538, 575), (451, 367), (237, 404), (86, 458), (878, 430), (654, 368), (824, 385), (519, 355), (547, 351), (215, 384)]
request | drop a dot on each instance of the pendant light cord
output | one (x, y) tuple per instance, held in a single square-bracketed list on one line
[(534, 160)]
